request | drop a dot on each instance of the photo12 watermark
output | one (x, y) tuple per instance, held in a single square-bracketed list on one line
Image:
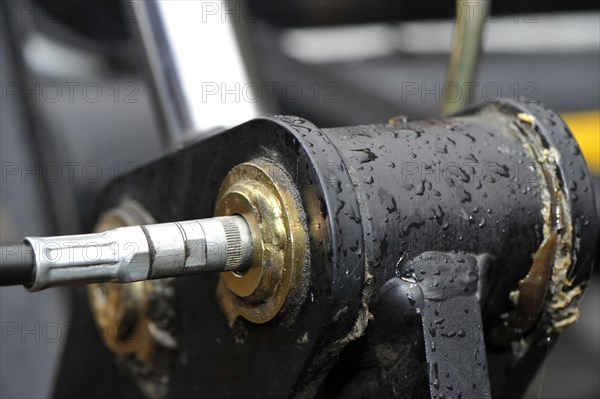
[(70, 92), (270, 92), (451, 92), (64, 172)]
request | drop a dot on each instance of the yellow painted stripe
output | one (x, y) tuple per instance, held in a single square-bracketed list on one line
[(586, 129)]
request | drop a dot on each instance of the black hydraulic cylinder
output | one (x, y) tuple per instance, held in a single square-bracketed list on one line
[(503, 184)]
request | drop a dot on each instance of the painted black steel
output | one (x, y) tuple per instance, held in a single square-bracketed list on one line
[(376, 197)]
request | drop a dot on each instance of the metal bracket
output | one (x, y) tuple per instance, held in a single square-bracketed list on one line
[(441, 287)]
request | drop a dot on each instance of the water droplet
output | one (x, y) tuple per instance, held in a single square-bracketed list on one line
[(464, 195), (439, 215), (408, 186), (420, 189), (369, 156)]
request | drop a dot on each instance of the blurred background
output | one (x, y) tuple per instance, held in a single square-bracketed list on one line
[(89, 92)]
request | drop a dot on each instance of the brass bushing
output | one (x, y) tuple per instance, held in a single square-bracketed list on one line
[(121, 311), (264, 194)]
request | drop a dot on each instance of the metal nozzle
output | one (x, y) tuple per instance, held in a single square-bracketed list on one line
[(138, 253)]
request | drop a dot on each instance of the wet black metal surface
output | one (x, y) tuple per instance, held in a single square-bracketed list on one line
[(376, 196), (448, 305)]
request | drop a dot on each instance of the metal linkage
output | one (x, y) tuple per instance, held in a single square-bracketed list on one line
[(441, 287), (466, 49), (138, 253)]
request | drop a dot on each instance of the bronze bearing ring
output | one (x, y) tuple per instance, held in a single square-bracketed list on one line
[(264, 194)]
